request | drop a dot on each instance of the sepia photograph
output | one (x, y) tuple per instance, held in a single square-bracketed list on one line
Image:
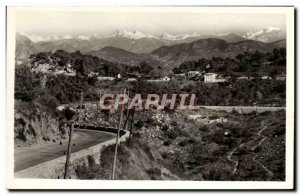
[(150, 97)]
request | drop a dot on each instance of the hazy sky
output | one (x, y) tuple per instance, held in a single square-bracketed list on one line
[(103, 23)]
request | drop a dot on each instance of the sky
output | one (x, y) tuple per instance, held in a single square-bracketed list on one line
[(104, 23)]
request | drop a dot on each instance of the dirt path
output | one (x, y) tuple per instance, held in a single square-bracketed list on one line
[(257, 145), (236, 162)]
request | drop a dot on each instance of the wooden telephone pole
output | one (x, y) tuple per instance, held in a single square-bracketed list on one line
[(117, 139), (69, 151)]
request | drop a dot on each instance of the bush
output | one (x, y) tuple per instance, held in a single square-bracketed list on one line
[(203, 128), (172, 134), (139, 124), (183, 143), (48, 101), (92, 80), (280, 130), (165, 127), (154, 173), (150, 121)]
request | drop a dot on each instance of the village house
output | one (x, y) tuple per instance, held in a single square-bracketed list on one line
[(131, 79), (213, 78), (191, 74), (165, 78), (280, 78), (92, 74), (160, 79), (265, 77), (210, 77)]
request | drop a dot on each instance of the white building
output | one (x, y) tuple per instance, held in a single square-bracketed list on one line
[(281, 78), (131, 79), (210, 77), (213, 78), (166, 78)]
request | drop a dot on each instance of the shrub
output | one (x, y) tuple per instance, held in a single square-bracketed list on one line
[(172, 134), (154, 173), (203, 128), (165, 127), (91, 160), (48, 101), (150, 121), (280, 130), (92, 80), (167, 143), (139, 124)]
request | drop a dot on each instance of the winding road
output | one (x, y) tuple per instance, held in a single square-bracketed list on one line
[(27, 157)]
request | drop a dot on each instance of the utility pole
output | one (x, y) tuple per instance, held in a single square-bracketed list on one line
[(98, 104), (69, 151), (117, 139), (81, 105), (71, 125), (130, 131), (127, 113)]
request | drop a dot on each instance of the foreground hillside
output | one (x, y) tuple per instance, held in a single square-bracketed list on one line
[(35, 124), (170, 146)]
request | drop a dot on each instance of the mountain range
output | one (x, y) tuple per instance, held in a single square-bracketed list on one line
[(168, 50), (268, 34)]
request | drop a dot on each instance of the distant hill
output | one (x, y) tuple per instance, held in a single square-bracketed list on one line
[(142, 45), (231, 38), (208, 48), (278, 44), (24, 47), (122, 56)]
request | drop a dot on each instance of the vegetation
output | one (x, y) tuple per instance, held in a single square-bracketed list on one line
[(202, 153), (246, 64), (238, 92), (84, 64)]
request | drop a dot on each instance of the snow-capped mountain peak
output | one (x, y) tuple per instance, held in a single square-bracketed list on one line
[(131, 35), (270, 29), (83, 37), (168, 36), (38, 38), (268, 34)]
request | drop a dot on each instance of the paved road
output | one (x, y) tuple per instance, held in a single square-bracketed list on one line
[(27, 157), (244, 109)]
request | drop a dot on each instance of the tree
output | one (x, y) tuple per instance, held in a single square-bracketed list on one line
[(145, 68), (27, 84)]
